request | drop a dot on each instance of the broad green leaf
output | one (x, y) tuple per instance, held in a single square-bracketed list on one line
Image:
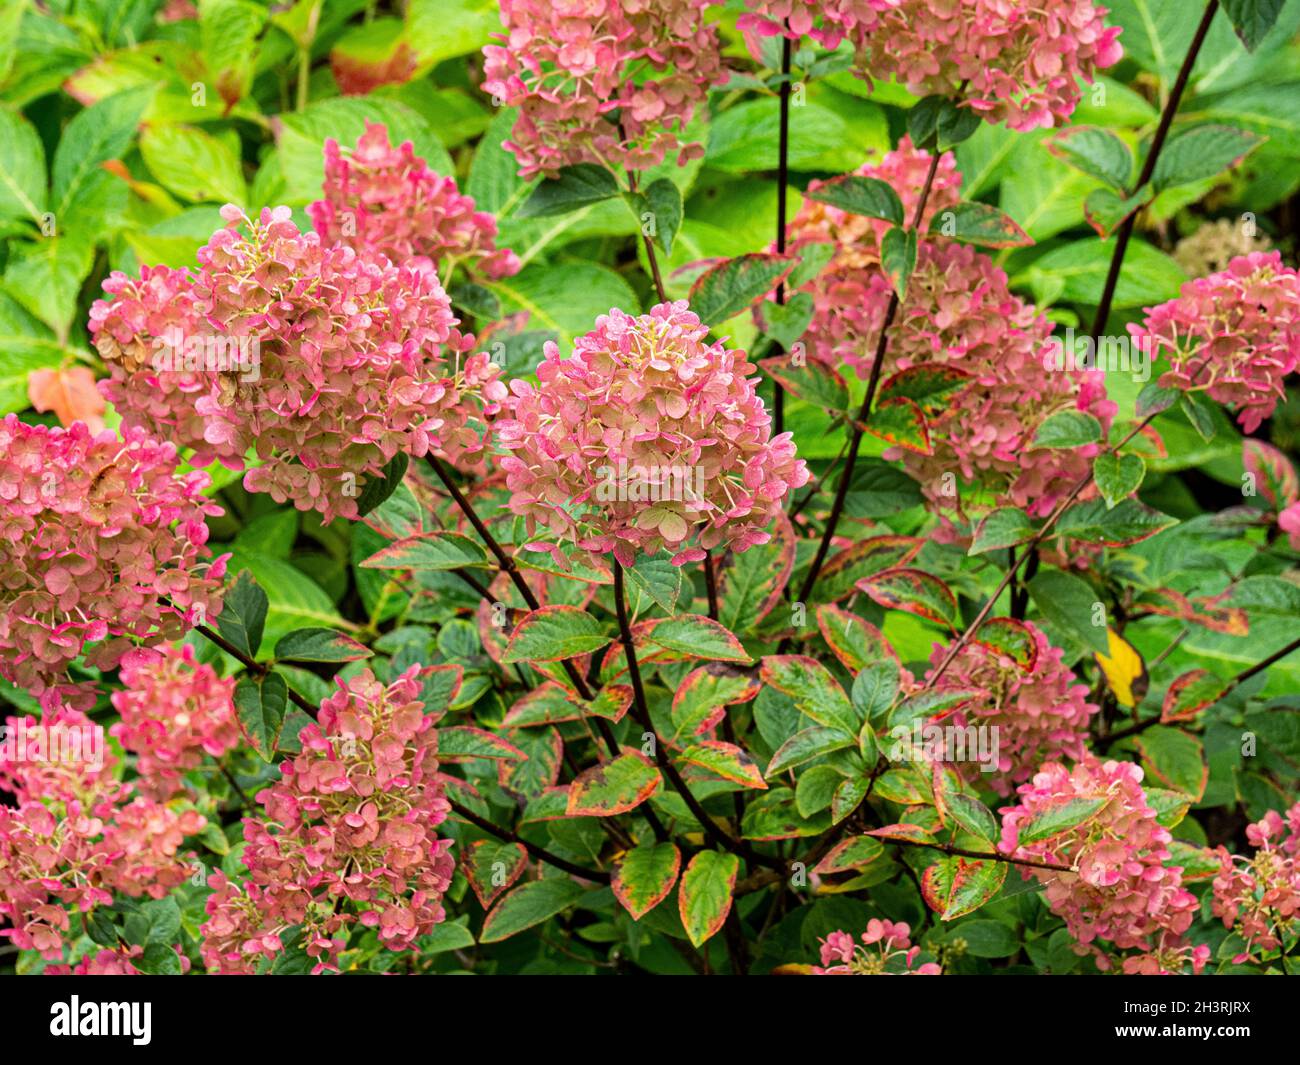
[(1128, 522), (704, 897), (319, 645), (954, 886), (1118, 476), (492, 866), (915, 592), (898, 258), (1175, 758), (193, 164), (806, 745), (698, 637), (1097, 152), (94, 136), (981, 225), (243, 614), (725, 290), (664, 201), (529, 905), (1069, 602), (553, 634), (22, 169), (614, 787), (1002, 528), (574, 187), (816, 693), (260, 706), (1057, 819), (725, 760), (1202, 152), (434, 550), (860, 195), (1067, 429), (645, 876)]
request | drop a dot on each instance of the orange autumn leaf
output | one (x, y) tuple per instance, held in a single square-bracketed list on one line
[(70, 394)]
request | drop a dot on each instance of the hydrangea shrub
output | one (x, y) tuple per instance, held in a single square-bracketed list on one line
[(647, 486)]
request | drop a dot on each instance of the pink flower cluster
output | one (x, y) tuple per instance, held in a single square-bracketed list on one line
[(646, 438), (1234, 334), (173, 710), (893, 953), (611, 82), (827, 21), (385, 199), (102, 553), (351, 821), (77, 836), (1259, 895), (1009, 62), (1041, 714), (958, 313), (1121, 890), (344, 364), (118, 962)]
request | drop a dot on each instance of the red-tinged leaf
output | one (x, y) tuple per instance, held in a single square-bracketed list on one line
[(615, 787), (439, 686), (703, 693), (529, 905), (1011, 638), (1199, 863), (900, 421), (436, 550), (814, 383), (931, 386), (750, 582), (980, 224), (774, 815), (491, 867), (954, 886), (839, 577), (1176, 759), (725, 760), (735, 285), (696, 636), (856, 643), (906, 832), (370, 55), (1203, 610), (71, 394), (858, 194), (855, 853), (914, 591), (540, 770), (1170, 806), (464, 741), (1275, 476), (704, 898), (1106, 210), (1189, 694), (319, 645), (815, 693), (807, 744), (553, 634), (645, 876), (547, 704), (1056, 820), (1130, 522)]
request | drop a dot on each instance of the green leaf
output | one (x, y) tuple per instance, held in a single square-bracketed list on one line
[(528, 905), (376, 490), (725, 760), (466, 741), (1200, 414), (46, 276), (614, 787), (22, 169), (1076, 272), (986, 939), (553, 634), (1067, 429), (981, 225), (787, 322), (1058, 819), (704, 898), (93, 137), (658, 579), (954, 886), (1068, 602), (1154, 399), (156, 922), (937, 122), (574, 187), (1004, 527), (664, 200), (193, 164), (1202, 152), (1252, 19), (243, 614), (840, 575), (806, 745), (1129, 522), (435, 550), (1176, 759), (898, 258), (815, 692), (1106, 210), (564, 302), (930, 386), (973, 816), (816, 789), (875, 689), (855, 853), (492, 867), (725, 290), (228, 32), (900, 421), (319, 645), (1118, 476), (1011, 638), (814, 383), (1097, 152), (860, 195), (698, 637), (645, 876), (260, 705)]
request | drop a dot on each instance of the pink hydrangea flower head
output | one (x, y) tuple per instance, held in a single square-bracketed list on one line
[(174, 711), (344, 360), (382, 198), (1121, 890), (1041, 714), (1289, 522), (886, 949), (1258, 895), (102, 553), (646, 438), (827, 21), (351, 820), (77, 836), (1234, 335), (612, 82), (1010, 62)]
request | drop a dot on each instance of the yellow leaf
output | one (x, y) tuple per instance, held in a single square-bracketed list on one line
[(1125, 672)]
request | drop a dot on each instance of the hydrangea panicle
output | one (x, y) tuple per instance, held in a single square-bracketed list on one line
[(646, 438), (886, 949), (102, 553), (1258, 896)]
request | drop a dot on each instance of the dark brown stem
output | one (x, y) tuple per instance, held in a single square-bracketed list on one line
[(642, 711), (711, 584), (984, 856), (882, 342), (782, 184), (1125, 231), (649, 243), (260, 668), (540, 853)]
